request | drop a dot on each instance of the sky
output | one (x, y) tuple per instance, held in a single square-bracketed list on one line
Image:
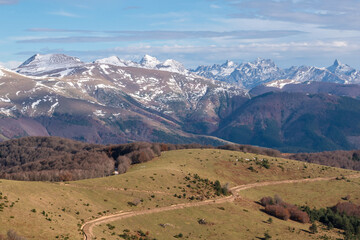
[(194, 32)]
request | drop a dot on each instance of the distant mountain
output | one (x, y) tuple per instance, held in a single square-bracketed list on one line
[(261, 71), (148, 62), (102, 102), (348, 90), (114, 101), (113, 60), (50, 65), (247, 75), (293, 122)]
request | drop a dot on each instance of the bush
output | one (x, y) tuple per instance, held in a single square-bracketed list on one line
[(313, 228), (278, 211), (123, 164), (348, 208), (266, 201), (12, 235)]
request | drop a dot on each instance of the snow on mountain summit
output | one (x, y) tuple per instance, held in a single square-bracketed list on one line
[(171, 65), (114, 60), (345, 72), (39, 64), (149, 62)]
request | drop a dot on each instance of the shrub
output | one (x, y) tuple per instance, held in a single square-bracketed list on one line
[(278, 211), (313, 228), (348, 208), (298, 215), (278, 208), (12, 235), (123, 164), (266, 201)]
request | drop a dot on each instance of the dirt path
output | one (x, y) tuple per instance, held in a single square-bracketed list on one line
[(88, 226)]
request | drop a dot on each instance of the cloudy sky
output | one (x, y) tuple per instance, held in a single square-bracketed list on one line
[(195, 32)]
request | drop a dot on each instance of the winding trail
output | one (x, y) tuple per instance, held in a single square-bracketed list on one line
[(88, 226)]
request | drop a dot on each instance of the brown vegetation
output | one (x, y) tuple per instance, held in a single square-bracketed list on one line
[(59, 159), (252, 149), (282, 210), (348, 208), (341, 159), (52, 159), (11, 235)]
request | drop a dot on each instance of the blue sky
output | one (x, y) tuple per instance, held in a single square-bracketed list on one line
[(194, 32)]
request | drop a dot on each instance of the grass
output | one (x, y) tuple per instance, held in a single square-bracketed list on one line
[(314, 194), (236, 221), (60, 208)]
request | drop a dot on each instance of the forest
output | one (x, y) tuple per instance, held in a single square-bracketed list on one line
[(60, 159)]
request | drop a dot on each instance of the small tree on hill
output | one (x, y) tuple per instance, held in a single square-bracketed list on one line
[(313, 228)]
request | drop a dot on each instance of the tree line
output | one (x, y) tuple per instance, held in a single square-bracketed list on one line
[(60, 159)]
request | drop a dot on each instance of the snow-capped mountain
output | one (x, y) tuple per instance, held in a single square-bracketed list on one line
[(49, 65), (345, 72), (112, 101), (169, 65), (114, 60), (263, 71), (149, 62), (247, 75), (216, 71), (111, 98), (60, 65), (254, 73)]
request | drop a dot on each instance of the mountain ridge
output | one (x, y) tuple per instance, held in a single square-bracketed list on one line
[(108, 102)]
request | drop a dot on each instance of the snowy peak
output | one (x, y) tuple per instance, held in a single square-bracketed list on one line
[(171, 65), (149, 62), (228, 64), (262, 71), (338, 67), (39, 64), (262, 63), (51, 60), (114, 60)]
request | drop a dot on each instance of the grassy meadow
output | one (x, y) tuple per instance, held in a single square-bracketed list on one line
[(45, 210)]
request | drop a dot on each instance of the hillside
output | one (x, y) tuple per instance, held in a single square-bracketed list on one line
[(58, 210), (105, 103), (295, 122), (59, 159)]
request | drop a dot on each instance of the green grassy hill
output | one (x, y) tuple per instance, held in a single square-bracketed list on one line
[(44, 210)]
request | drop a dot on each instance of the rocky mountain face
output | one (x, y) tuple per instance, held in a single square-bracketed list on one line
[(114, 101), (147, 62), (104, 102), (265, 72)]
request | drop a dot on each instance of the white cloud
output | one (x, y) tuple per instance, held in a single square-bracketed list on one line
[(318, 53), (6, 2), (215, 6), (10, 64), (64, 14), (327, 13)]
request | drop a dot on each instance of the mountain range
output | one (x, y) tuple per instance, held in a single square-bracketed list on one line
[(265, 72), (114, 101)]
